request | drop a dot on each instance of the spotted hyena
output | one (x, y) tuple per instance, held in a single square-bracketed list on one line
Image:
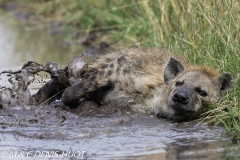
[(150, 81)]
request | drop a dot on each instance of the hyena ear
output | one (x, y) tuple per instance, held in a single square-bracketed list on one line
[(225, 82), (172, 69)]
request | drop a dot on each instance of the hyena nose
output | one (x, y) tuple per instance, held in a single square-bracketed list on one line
[(181, 97)]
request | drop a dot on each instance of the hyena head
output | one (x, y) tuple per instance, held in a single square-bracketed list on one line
[(193, 89)]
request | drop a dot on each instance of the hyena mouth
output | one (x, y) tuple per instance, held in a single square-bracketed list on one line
[(181, 110)]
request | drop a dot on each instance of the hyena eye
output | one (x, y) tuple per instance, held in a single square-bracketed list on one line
[(178, 83), (201, 92)]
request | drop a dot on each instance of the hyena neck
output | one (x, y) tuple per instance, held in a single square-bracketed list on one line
[(158, 103)]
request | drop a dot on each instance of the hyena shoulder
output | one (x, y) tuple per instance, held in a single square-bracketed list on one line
[(136, 69)]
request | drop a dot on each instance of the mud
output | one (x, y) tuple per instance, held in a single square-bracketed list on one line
[(18, 94), (109, 133)]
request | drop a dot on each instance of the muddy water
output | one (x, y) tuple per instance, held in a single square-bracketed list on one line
[(91, 132)]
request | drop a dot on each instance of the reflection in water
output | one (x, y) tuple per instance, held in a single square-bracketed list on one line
[(20, 43), (185, 149), (103, 132)]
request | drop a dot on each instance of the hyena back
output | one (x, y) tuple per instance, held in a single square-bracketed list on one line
[(150, 81)]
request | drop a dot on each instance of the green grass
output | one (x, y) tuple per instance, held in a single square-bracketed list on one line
[(205, 32)]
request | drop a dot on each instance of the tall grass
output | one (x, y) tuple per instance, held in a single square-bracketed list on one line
[(205, 32)]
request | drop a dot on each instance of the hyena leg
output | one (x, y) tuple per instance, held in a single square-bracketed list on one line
[(102, 77)]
